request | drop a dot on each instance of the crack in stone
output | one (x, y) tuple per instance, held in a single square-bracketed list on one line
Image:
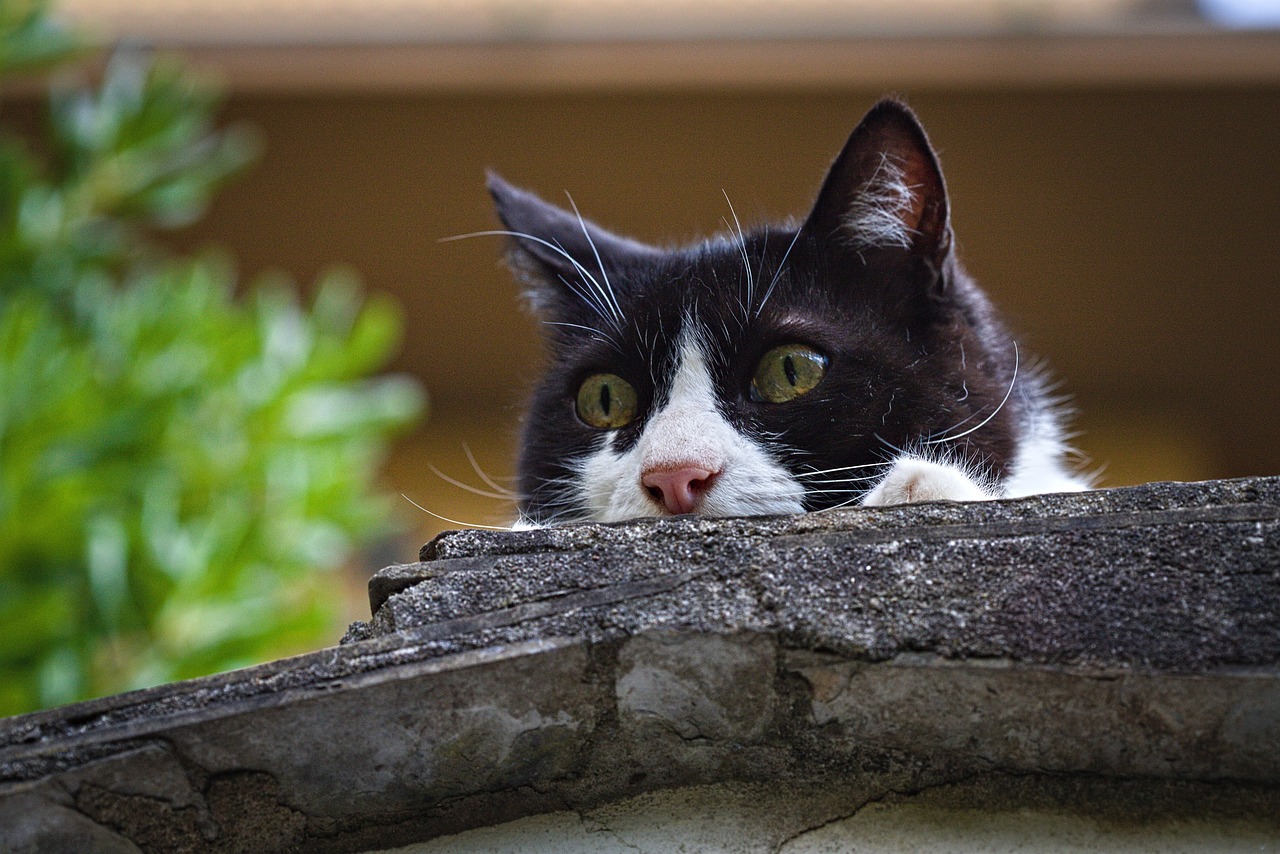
[(554, 604), (912, 791), (591, 825)]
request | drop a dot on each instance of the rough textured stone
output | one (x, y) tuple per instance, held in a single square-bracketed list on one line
[(1173, 576), (1116, 638)]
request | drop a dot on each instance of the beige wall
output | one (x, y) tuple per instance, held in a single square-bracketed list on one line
[(1014, 815), (1129, 233)]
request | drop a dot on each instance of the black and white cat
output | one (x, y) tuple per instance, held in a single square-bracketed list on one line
[(849, 360)]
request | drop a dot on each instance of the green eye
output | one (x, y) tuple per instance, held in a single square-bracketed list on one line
[(606, 401), (787, 372)]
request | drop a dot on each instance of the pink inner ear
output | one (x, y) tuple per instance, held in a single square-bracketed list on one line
[(924, 210), (885, 189), (906, 173), (888, 208), (916, 175)]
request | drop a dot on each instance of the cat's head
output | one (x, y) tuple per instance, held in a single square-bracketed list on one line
[(772, 370)]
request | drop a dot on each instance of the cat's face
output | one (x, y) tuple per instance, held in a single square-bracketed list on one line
[(771, 371)]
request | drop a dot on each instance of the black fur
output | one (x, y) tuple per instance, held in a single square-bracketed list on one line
[(914, 347)]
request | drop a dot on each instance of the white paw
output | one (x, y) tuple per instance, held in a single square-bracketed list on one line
[(912, 479)]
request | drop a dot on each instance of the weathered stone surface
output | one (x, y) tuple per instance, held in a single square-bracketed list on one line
[(1109, 639), (1172, 576)]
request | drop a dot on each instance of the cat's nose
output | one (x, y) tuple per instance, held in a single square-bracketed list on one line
[(679, 489)]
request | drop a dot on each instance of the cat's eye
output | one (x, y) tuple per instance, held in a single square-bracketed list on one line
[(606, 401), (787, 372)]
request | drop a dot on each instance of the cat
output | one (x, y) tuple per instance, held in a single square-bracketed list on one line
[(848, 360)]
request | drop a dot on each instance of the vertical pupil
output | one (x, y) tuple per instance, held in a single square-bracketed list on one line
[(789, 368), (604, 398)]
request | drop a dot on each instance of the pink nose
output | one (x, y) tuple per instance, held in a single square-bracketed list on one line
[(679, 489)]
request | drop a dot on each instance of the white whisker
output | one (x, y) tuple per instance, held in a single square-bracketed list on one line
[(782, 265), (608, 339), (742, 250), (890, 445), (825, 481), (841, 505), (984, 421), (613, 298), (589, 299), (841, 468), (941, 436), (563, 518), (454, 521), (475, 465), (842, 490), (586, 274), (468, 487)]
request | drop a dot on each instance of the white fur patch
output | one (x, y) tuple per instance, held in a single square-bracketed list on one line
[(912, 479), (1038, 466), (689, 431), (876, 216)]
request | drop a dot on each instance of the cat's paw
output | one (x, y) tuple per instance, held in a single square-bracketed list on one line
[(912, 479)]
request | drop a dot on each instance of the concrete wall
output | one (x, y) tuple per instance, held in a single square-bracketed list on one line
[(992, 815), (1079, 670)]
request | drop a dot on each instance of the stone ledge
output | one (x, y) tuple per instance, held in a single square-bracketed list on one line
[(1117, 637), (1178, 577)]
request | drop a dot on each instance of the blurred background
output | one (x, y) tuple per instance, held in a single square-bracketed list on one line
[(1114, 167)]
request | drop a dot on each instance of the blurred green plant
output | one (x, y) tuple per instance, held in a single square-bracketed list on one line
[(177, 463)]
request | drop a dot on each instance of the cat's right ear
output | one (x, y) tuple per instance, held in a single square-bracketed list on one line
[(566, 263), (885, 191)]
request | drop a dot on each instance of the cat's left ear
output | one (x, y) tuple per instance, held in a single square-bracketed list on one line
[(564, 260), (885, 190)]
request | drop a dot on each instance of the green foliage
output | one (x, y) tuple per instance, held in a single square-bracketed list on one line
[(30, 39), (177, 464)]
